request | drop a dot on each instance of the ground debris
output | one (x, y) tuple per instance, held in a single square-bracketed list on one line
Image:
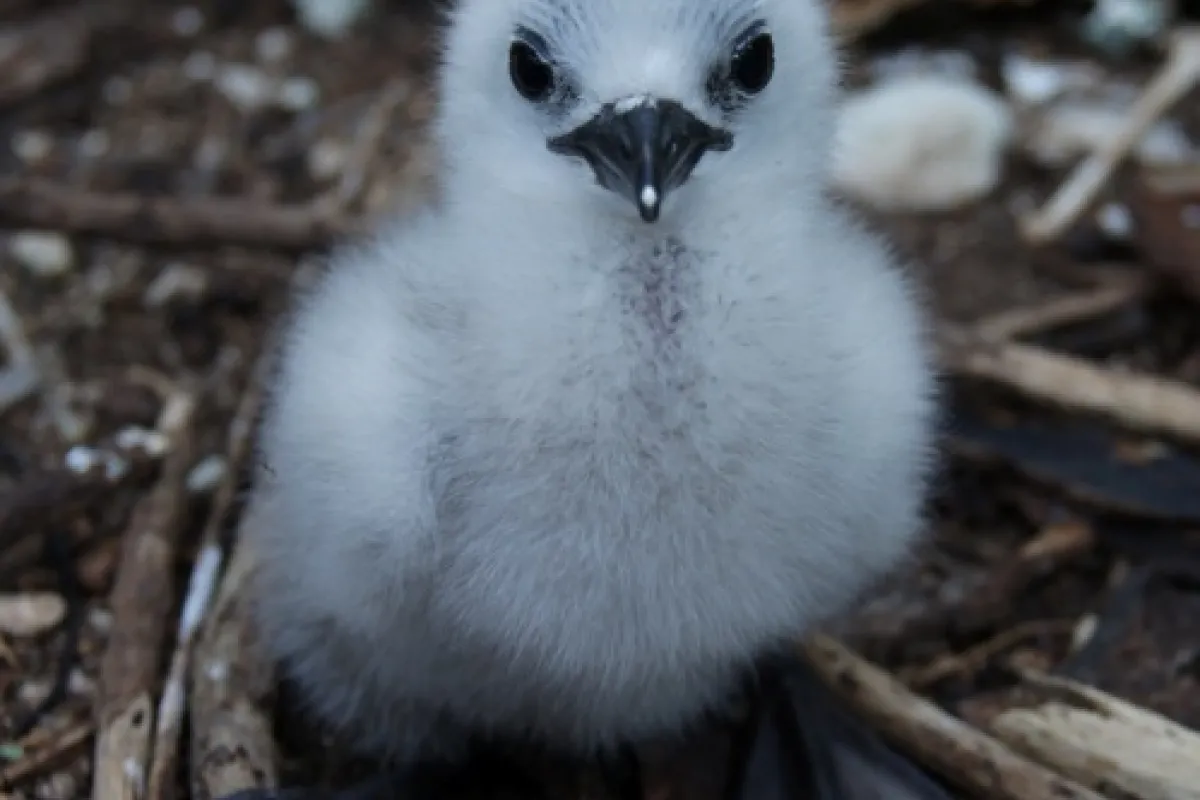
[(168, 171)]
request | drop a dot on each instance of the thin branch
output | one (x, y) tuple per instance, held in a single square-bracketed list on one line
[(1103, 741), (1143, 402), (130, 668), (201, 588), (65, 745), (1059, 312), (364, 150), (38, 203), (976, 658), (232, 696), (964, 755), (1080, 189)]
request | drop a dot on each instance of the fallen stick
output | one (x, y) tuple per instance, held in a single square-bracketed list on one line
[(64, 745), (967, 757), (201, 586), (1070, 309), (1142, 402), (364, 150), (232, 697), (1079, 190), (1103, 742), (141, 599), (976, 658), (38, 203)]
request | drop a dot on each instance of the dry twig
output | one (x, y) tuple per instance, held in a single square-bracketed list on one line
[(1078, 191), (1104, 742), (967, 757), (1059, 312), (203, 582), (38, 203), (364, 150), (130, 669), (63, 746), (974, 659), (1142, 402), (232, 696)]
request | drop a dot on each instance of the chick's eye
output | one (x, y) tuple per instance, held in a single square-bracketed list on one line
[(753, 64), (531, 75)]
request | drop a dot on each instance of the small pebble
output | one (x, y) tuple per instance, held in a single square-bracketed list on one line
[(200, 66), (187, 21), (79, 683), (216, 671), (44, 253), (326, 159), (330, 18), (1035, 82), (273, 45), (32, 146), (245, 86), (137, 438), (94, 143), (100, 620), (118, 91), (31, 614), (33, 691), (206, 475), (298, 94), (1084, 630), (1117, 26), (175, 281), (1115, 220), (211, 154), (81, 458)]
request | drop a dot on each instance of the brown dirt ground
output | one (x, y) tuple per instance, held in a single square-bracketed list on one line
[(132, 119)]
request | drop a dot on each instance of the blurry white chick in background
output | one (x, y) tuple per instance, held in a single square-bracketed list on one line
[(921, 143)]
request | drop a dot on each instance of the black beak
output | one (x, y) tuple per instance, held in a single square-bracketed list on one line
[(642, 152)]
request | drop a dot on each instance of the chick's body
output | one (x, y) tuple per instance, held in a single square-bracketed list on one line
[(533, 470)]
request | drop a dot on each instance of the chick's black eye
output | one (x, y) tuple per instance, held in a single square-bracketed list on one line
[(753, 64), (531, 75)]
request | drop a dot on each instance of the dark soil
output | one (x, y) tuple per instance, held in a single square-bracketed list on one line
[(137, 114)]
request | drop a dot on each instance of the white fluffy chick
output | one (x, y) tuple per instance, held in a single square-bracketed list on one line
[(629, 407), (921, 143)]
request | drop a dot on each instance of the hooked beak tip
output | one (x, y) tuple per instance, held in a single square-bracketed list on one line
[(644, 151), (648, 203)]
